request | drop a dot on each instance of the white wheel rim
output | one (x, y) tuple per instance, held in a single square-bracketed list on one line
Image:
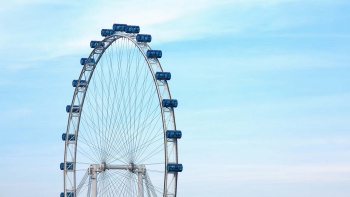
[(110, 128)]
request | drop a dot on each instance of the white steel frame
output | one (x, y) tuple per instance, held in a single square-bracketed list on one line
[(170, 179)]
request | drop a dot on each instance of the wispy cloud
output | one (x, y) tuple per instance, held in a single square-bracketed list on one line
[(18, 113), (274, 173), (53, 29)]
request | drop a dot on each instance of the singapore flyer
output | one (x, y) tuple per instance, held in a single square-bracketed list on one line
[(121, 137)]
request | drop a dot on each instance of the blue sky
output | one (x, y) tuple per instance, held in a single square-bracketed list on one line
[(263, 90)]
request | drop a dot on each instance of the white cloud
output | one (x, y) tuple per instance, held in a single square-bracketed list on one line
[(18, 113), (18, 66), (182, 20), (7, 6), (167, 21), (266, 160), (285, 173)]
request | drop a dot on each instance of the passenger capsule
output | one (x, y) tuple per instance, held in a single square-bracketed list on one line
[(107, 32), (163, 75), (174, 167), (70, 138), (143, 38), (132, 29), (169, 103), (69, 194), (173, 134), (75, 109), (154, 53), (82, 83), (84, 60), (94, 44), (119, 27), (69, 166)]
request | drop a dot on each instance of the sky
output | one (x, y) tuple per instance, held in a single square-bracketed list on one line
[(263, 89)]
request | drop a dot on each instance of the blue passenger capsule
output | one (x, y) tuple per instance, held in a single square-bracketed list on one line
[(75, 109), (69, 166), (143, 38), (119, 27), (84, 60), (163, 75), (173, 134), (174, 167), (70, 138), (132, 29), (169, 103), (107, 32), (154, 53), (82, 83), (69, 194), (94, 44)]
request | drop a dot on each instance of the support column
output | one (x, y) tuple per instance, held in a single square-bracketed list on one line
[(93, 176), (140, 184), (141, 169)]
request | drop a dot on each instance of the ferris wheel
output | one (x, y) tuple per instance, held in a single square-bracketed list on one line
[(121, 137)]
